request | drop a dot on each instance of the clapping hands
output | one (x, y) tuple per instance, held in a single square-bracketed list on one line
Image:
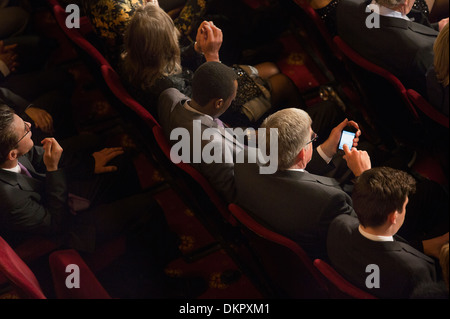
[(209, 40)]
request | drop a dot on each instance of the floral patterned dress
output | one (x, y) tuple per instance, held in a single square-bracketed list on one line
[(109, 19)]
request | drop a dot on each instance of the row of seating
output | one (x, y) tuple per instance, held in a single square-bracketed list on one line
[(313, 279), (308, 279), (412, 100)]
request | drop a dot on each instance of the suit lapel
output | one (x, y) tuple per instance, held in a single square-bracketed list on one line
[(207, 122), (405, 24), (24, 182)]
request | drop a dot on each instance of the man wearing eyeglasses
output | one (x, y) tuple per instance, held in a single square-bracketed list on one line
[(293, 201), (299, 202), (36, 188)]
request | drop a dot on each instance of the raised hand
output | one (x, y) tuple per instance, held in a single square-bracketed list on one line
[(357, 161), (329, 147), (209, 40), (41, 118), (52, 153), (8, 56)]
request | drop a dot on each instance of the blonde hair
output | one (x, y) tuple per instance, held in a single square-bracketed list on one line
[(441, 56), (293, 133), (151, 46)]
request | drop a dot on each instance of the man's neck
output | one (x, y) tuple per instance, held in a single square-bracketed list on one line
[(298, 165), (379, 231), (9, 164), (199, 108)]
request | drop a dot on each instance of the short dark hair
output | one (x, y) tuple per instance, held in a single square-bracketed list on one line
[(212, 80), (8, 138), (379, 192)]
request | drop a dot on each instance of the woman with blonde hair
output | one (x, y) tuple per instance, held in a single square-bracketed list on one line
[(153, 61), (438, 74)]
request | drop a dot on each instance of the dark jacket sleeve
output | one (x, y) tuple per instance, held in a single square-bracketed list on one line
[(190, 58), (317, 165), (14, 101), (42, 210)]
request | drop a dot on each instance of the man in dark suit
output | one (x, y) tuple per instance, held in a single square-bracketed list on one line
[(366, 249), (382, 33), (79, 200), (294, 202), (299, 202)]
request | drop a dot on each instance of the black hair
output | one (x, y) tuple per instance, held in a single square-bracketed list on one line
[(379, 192), (8, 138), (212, 80)]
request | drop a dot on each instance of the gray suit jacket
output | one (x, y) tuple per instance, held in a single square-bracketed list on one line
[(402, 268), (296, 204), (405, 48), (172, 115)]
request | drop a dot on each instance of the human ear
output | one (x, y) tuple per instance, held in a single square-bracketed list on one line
[(218, 104), (12, 155), (392, 217)]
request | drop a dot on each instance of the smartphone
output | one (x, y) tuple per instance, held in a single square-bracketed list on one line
[(346, 138)]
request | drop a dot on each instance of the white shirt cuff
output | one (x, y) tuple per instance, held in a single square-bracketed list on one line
[(323, 155)]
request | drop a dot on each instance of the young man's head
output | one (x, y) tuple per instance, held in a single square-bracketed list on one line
[(15, 135), (295, 137), (380, 196), (214, 87)]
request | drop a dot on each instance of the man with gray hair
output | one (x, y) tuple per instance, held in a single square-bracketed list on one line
[(300, 203), (292, 201), (380, 31)]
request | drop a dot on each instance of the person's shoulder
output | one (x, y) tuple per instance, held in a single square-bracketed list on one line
[(344, 224), (171, 94)]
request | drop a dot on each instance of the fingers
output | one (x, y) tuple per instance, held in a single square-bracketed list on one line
[(112, 152), (103, 157), (41, 118), (347, 149), (52, 153), (10, 47), (45, 122), (106, 169)]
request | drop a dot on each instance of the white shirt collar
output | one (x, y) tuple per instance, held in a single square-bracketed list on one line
[(16, 169), (383, 11), (374, 237), (296, 169)]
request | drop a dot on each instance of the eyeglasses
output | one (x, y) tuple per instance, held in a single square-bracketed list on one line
[(27, 129), (314, 137)]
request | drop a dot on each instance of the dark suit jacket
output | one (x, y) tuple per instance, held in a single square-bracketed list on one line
[(296, 204), (35, 205), (402, 268), (14, 101), (404, 48)]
